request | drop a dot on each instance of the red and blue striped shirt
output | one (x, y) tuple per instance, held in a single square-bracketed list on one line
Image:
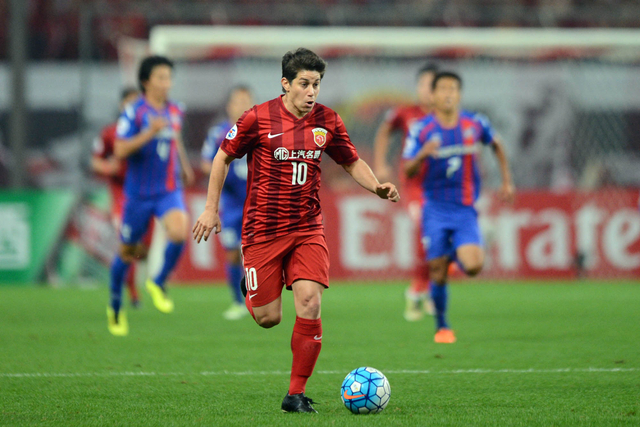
[(452, 173), (155, 168)]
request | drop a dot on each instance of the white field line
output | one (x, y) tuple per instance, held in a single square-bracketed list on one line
[(263, 373)]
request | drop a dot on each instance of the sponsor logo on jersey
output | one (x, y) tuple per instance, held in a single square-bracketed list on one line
[(457, 150), (281, 153), (232, 132), (319, 136)]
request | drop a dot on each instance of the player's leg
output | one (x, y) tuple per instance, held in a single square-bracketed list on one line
[(173, 216), (117, 209), (471, 257), (417, 300), (135, 219), (263, 265), (467, 241), (307, 274), (230, 240), (438, 247)]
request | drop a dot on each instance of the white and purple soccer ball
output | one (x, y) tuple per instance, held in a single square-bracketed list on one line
[(365, 391)]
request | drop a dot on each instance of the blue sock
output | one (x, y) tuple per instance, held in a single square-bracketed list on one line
[(234, 275), (118, 272), (439, 297), (171, 255)]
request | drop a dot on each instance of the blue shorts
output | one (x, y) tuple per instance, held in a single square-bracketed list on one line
[(231, 234), (447, 226), (139, 212)]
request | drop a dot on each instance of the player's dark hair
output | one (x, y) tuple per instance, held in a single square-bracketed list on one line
[(127, 91), (301, 60), (446, 75), (429, 67), (234, 89), (147, 66)]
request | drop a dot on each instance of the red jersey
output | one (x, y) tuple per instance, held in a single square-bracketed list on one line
[(402, 118), (103, 147), (283, 158)]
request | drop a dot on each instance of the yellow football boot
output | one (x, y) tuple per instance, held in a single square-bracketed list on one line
[(160, 298), (118, 327)]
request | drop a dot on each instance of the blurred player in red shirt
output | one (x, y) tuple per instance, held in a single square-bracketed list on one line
[(106, 164), (283, 241), (400, 120)]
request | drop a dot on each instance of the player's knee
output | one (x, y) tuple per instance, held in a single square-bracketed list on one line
[(233, 256), (473, 268), (127, 253), (269, 320), (438, 273), (309, 305)]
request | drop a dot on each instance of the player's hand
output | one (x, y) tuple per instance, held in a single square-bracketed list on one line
[(383, 173), (209, 221), (507, 192), (429, 149), (388, 191), (157, 124), (114, 166)]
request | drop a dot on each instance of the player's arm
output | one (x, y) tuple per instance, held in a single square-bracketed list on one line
[(187, 171), (363, 175), (412, 165), (209, 220), (507, 191), (381, 149), (106, 167), (205, 166), (123, 148)]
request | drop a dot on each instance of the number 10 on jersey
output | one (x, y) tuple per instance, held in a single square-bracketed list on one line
[(300, 170)]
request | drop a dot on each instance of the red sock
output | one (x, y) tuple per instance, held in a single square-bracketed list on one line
[(247, 302), (131, 282), (306, 342), (420, 280)]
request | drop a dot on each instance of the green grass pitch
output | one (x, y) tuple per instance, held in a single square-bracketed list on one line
[(533, 354)]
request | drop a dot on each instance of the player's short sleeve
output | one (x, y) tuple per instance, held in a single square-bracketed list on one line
[(341, 149), (99, 148), (413, 144), (393, 118), (243, 136), (127, 125), (212, 142), (487, 134)]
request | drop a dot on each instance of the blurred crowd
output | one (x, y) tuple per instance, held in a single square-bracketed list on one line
[(54, 25)]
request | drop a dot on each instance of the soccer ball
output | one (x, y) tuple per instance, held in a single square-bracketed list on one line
[(365, 391)]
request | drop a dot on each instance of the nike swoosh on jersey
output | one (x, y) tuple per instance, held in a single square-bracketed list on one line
[(251, 296), (317, 337), (356, 396), (273, 136)]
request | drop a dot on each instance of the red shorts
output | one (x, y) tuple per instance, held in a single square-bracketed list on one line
[(271, 265)]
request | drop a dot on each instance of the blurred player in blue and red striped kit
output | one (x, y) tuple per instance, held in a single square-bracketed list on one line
[(234, 193), (149, 137), (106, 164), (400, 119), (448, 143)]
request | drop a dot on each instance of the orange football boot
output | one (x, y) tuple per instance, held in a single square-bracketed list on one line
[(444, 336)]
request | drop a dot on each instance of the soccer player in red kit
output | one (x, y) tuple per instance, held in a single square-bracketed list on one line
[(400, 120), (105, 163), (283, 241)]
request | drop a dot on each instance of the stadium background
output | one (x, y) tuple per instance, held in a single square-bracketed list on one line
[(569, 117)]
